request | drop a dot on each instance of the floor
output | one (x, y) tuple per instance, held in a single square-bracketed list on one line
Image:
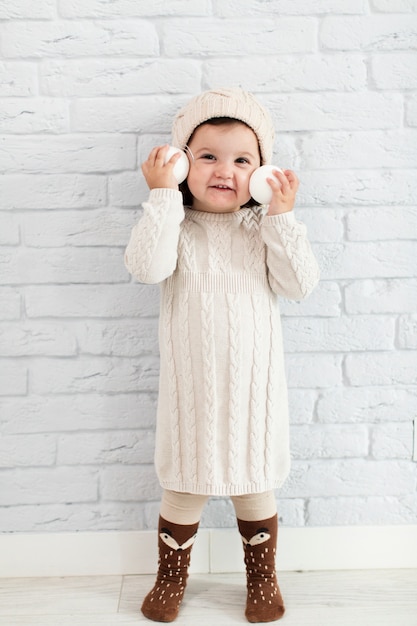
[(334, 598)]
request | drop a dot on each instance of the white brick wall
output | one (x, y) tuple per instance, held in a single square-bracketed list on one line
[(86, 88)]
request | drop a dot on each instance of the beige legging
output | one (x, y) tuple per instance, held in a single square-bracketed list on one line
[(186, 508)]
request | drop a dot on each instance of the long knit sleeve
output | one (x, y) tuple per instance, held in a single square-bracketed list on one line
[(152, 252), (293, 271)]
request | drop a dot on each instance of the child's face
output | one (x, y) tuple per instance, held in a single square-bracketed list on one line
[(224, 158)]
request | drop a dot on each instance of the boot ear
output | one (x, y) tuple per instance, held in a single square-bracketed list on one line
[(260, 537), (168, 539), (177, 536), (189, 543)]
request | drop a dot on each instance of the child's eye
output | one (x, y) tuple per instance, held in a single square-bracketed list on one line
[(209, 157), (242, 160)]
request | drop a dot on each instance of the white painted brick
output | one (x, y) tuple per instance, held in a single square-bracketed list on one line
[(89, 301), (137, 483), (78, 412), (287, 151), (360, 149), (74, 228), (360, 511), (382, 368), (55, 191), (235, 37), (127, 189), (17, 79), (132, 8), (9, 230), (71, 153), (389, 259), (220, 513), (335, 111), (325, 301), (291, 512), (69, 38), (407, 332), (94, 374), (151, 512), (310, 371), (46, 486), (381, 223), (13, 379), (399, 6), (367, 404), (106, 448), (381, 296), (139, 114), (283, 7), (342, 334), (282, 74), (120, 338), (23, 450), (392, 441), (394, 71), (36, 339), (90, 77), (360, 188), (62, 265), (30, 115), (316, 441), (323, 225), (353, 477), (19, 9), (301, 405), (370, 33), (147, 142), (81, 334), (71, 517), (10, 304), (411, 110)]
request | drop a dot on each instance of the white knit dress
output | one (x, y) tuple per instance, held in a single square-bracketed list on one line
[(222, 422)]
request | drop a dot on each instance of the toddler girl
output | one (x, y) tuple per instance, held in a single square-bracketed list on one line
[(221, 261)]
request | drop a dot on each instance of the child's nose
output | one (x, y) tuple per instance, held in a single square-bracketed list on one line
[(224, 169)]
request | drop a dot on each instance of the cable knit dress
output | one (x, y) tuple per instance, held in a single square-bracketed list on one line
[(222, 422)]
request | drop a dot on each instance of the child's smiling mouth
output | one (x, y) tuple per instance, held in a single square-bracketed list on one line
[(222, 187)]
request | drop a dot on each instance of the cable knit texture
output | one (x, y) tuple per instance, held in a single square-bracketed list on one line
[(222, 424)]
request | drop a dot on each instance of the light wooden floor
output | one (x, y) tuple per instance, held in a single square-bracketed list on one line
[(336, 598)]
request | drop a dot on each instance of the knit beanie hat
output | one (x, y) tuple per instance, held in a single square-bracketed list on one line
[(235, 103)]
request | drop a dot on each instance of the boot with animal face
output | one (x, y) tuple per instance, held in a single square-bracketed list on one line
[(264, 600), (174, 543)]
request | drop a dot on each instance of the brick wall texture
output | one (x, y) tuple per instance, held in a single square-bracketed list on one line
[(86, 88)]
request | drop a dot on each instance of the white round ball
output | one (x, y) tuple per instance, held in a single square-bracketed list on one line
[(181, 167), (258, 186)]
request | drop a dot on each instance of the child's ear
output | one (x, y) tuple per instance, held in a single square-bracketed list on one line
[(258, 186)]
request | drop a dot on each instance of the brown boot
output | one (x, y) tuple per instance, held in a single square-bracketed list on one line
[(264, 601), (175, 542)]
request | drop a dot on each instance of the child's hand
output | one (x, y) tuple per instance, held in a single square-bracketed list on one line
[(284, 187), (157, 173)]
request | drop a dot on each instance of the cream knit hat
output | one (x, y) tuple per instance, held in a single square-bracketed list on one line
[(235, 103)]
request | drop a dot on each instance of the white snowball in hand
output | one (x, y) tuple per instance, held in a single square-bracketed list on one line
[(258, 186), (181, 167)]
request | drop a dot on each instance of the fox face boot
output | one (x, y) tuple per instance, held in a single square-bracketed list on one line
[(264, 601), (175, 542)]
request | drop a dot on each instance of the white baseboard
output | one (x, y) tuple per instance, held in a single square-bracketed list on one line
[(124, 553)]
